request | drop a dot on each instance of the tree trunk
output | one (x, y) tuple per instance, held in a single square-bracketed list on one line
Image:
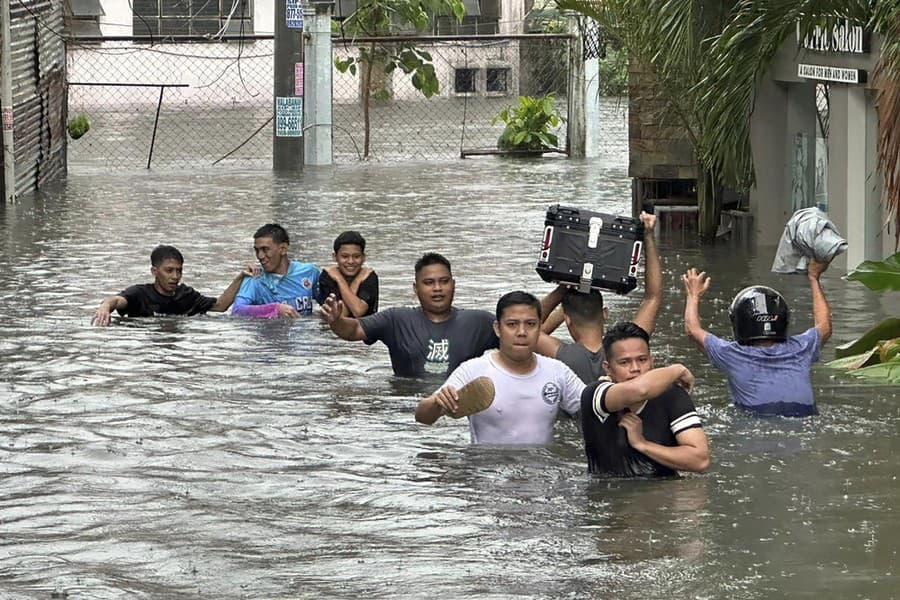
[(367, 96), (709, 205)]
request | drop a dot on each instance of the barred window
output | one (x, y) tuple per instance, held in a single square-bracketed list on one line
[(497, 79), (192, 17), (465, 81)]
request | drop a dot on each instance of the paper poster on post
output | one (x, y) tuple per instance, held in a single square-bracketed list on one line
[(298, 79), (293, 14), (288, 117)]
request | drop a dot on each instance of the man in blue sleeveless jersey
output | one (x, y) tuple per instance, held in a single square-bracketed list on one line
[(285, 288)]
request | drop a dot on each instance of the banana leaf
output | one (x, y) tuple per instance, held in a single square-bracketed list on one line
[(878, 275), (888, 372), (886, 330), (857, 361)]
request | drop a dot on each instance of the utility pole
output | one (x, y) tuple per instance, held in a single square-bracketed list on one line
[(287, 133), (6, 107), (317, 55)]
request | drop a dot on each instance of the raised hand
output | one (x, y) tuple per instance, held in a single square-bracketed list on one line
[(649, 222), (695, 284)]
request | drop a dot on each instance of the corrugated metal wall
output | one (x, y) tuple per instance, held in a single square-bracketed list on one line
[(39, 91)]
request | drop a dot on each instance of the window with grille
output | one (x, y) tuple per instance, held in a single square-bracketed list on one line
[(464, 81), (497, 80), (192, 17)]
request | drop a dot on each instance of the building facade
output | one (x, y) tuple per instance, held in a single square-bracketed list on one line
[(802, 160)]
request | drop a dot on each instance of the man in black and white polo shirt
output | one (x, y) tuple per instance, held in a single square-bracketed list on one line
[(641, 423)]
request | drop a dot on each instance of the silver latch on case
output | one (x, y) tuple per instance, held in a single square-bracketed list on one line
[(596, 224), (587, 276)]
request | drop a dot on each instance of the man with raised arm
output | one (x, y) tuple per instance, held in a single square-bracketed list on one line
[(285, 288), (585, 315), (434, 337), (641, 422), (768, 372)]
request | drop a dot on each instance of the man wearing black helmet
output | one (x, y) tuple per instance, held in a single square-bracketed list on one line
[(768, 372)]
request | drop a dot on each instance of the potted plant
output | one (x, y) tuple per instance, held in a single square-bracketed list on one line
[(78, 126), (528, 125)]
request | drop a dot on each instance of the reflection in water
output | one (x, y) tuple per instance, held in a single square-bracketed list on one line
[(232, 458)]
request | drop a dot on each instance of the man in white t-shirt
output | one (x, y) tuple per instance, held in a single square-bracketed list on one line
[(530, 390)]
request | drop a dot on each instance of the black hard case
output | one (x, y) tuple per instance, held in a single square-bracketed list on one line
[(590, 250)]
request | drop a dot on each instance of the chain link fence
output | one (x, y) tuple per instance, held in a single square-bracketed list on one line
[(186, 105)]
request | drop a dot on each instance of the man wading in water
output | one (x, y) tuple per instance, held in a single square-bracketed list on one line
[(529, 390), (433, 338), (641, 423), (284, 288)]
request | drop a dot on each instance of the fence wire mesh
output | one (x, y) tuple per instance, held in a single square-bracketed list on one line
[(215, 101)]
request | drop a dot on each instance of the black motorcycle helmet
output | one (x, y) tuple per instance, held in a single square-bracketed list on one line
[(759, 313)]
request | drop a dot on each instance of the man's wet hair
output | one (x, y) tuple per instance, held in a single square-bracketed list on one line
[(623, 331), (274, 231), (583, 308), (432, 258), (350, 237), (515, 299), (163, 253)]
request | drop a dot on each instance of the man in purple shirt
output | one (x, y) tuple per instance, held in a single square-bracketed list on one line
[(768, 372)]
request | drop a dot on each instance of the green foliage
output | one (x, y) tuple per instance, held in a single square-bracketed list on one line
[(386, 18), (383, 19), (888, 372), (878, 275), (614, 73), (78, 126), (528, 124), (875, 355), (886, 330)]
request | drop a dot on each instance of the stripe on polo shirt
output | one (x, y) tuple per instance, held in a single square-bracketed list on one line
[(685, 421), (599, 404)]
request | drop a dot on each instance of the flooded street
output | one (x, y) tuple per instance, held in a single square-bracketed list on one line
[(216, 457)]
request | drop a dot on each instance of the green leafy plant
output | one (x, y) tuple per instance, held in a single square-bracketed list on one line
[(78, 126), (876, 354), (528, 125)]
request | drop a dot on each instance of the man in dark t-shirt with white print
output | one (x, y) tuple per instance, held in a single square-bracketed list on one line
[(434, 337), (640, 423), (166, 295)]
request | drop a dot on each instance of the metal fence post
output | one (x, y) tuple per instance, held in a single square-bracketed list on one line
[(575, 134), (317, 54), (6, 107)]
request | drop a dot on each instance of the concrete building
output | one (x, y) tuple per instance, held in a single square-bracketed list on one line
[(791, 166), (813, 133)]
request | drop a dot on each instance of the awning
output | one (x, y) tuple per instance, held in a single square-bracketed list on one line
[(86, 8)]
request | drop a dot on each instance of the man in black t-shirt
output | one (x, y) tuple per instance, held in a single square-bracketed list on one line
[(166, 295), (434, 337), (354, 284), (641, 423)]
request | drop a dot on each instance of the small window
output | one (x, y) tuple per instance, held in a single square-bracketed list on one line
[(465, 81), (497, 80)]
